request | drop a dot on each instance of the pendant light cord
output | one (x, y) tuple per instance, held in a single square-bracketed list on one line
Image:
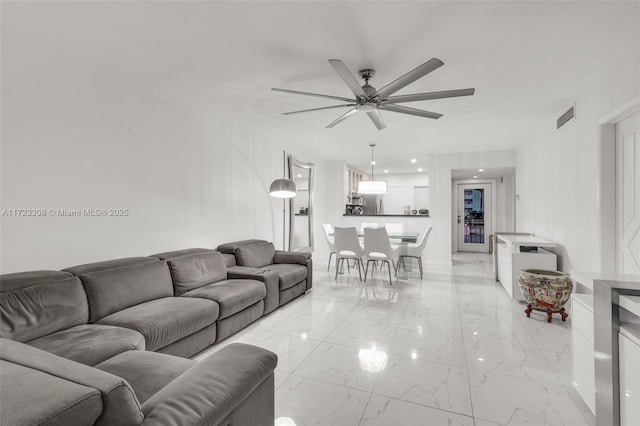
[(372, 162)]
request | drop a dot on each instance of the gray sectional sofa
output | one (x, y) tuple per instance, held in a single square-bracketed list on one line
[(74, 341)]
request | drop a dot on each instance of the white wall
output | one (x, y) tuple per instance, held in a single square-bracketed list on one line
[(75, 136), (405, 182), (559, 176)]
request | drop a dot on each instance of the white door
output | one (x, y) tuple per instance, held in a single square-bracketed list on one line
[(474, 217), (628, 195)]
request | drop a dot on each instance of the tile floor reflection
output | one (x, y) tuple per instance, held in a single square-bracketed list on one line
[(450, 349)]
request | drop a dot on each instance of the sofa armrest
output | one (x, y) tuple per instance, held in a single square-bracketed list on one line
[(293, 257), (271, 280), (210, 391)]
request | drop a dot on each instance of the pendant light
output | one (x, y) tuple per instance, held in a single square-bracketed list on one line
[(372, 186)]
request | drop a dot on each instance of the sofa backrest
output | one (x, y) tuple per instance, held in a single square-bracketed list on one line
[(255, 255), (34, 304), (196, 270), (230, 248), (42, 388), (115, 285)]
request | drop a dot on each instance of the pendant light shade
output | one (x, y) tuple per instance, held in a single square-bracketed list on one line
[(283, 188), (372, 186)]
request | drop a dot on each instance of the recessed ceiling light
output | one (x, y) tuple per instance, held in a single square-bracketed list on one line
[(299, 175), (386, 171), (475, 177), (481, 170), (413, 160), (420, 169), (373, 163), (480, 359)]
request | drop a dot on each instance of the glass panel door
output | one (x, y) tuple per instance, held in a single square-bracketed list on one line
[(474, 217)]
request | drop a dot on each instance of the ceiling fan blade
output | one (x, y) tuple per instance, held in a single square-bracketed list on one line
[(411, 111), (428, 96), (409, 78), (347, 77), (317, 109), (317, 95), (377, 119), (342, 117)]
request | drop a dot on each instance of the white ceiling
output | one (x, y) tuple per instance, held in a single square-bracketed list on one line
[(527, 61)]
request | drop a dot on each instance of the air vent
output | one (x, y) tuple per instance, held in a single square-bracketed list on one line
[(566, 117)]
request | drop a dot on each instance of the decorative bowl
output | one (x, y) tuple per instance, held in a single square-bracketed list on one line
[(545, 290)]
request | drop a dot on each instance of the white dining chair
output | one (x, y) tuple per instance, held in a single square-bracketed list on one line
[(415, 250), (328, 229), (348, 247), (368, 225), (378, 248), (395, 228)]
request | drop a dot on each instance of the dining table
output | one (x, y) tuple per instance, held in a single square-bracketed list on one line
[(402, 240)]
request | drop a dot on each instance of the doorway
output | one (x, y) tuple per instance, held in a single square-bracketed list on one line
[(474, 216), (628, 195)]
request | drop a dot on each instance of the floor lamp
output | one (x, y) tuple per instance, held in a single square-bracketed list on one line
[(283, 188)]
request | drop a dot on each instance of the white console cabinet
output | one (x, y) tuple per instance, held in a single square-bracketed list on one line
[(583, 375), (512, 258)]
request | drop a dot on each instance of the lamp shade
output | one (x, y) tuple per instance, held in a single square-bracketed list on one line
[(283, 188), (372, 187)]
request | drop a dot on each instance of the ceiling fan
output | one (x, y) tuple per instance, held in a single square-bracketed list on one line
[(369, 100)]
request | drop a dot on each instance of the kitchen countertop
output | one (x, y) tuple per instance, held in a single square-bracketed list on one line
[(387, 215)]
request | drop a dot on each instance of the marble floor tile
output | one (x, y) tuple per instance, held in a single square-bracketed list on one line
[(302, 401), (494, 398), (442, 324), (375, 315), (383, 411), (511, 360), (323, 308), (291, 350), (474, 333), (437, 347), (363, 334), (561, 365), (425, 382), (304, 325), (553, 337), (356, 368)]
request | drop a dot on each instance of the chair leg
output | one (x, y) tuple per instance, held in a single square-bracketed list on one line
[(338, 259), (359, 269), (329, 264), (389, 270), (420, 265), (395, 267), (366, 269)]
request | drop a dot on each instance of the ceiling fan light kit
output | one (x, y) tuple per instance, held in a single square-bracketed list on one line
[(372, 186), (369, 100)]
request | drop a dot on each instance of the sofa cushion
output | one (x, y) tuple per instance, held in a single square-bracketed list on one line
[(32, 396), (146, 372), (255, 255), (290, 274), (37, 303), (163, 321), (230, 248), (195, 270), (119, 404), (231, 295), (113, 290), (291, 257), (90, 344), (229, 260)]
